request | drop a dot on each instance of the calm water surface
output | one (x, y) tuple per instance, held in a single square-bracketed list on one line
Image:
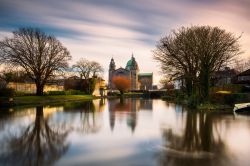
[(128, 132)]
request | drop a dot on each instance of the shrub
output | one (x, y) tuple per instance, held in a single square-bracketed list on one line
[(88, 86), (56, 93), (193, 101), (229, 99), (20, 93), (74, 92), (236, 98), (68, 92), (7, 92)]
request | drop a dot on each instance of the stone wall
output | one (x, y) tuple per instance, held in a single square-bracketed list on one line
[(31, 87)]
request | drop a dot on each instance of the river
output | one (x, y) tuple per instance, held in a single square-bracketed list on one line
[(129, 132)]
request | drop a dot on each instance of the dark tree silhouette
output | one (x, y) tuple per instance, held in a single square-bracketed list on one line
[(195, 53), (88, 119), (39, 54), (38, 144), (197, 146), (87, 111)]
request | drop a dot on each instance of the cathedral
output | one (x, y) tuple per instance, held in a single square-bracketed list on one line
[(139, 81)]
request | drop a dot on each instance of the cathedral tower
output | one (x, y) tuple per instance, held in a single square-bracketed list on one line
[(134, 70), (111, 70)]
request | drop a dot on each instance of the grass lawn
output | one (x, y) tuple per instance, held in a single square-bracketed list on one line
[(37, 100), (209, 106)]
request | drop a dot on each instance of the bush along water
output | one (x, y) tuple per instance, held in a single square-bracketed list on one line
[(7, 92), (6, 95)]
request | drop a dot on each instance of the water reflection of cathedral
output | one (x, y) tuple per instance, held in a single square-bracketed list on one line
[(129, 108)]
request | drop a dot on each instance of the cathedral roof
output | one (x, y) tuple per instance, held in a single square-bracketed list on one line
[(132, 63), (129, 64)]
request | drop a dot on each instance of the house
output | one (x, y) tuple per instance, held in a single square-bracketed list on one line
[(145, 81), (242, 78), (223, 77)]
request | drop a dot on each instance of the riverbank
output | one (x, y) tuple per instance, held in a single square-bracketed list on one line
[(208, 106), (43, 100)]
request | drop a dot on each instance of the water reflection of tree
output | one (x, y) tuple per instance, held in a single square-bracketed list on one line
[(88, 119), (87, 110), (200, 143), (38, 144), (127, 106)]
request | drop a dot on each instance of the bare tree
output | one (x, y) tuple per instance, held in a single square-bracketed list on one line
[(195, 53), (241, 65), (174, 52), (216, 48), (96, 68), (36, 52), (88, 69)]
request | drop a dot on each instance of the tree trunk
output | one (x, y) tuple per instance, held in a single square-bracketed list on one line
[(189, 85), (39, 89), (204, 84)]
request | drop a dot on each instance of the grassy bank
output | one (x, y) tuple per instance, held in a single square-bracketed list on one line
[(47, 99), (198, 106), (213, 106)]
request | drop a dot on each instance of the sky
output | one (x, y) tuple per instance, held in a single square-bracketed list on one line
[(101, 29)]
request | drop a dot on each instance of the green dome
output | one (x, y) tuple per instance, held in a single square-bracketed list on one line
[(129, 64), (132, 64)]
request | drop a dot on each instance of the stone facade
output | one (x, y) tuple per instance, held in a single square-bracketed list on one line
[(145, 81), (139, 81)]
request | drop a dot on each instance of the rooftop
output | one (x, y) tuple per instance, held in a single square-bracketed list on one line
[(145, 74)]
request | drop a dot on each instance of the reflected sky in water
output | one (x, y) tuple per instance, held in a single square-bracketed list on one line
[(122, 132)]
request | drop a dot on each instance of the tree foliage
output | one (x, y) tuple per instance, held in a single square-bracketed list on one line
[(88, 69), (121, 83), (195, 53), (88, 85), (39, 54)]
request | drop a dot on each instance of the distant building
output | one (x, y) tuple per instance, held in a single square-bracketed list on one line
[(242, 78), (222, 77), (145, 81), (139, 81), (218, 78)]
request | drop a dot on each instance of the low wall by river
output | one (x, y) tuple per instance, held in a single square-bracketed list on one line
[(31, 87)]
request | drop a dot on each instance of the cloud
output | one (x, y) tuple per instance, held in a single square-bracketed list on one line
[(100, 29)]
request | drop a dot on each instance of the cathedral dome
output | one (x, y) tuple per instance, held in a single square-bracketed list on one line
[(132, 64), (129, 63)]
